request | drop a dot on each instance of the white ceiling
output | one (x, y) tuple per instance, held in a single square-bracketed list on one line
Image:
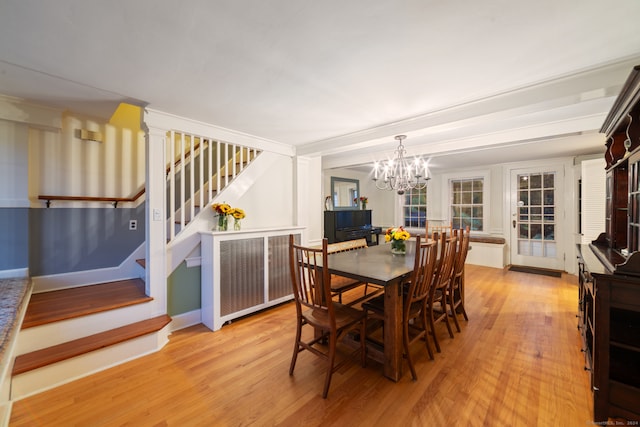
[(487, 80)]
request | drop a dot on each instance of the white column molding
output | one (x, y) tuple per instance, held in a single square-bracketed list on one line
[(308, 198), (155, 213)]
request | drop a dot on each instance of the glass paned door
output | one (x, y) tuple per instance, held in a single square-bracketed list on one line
[(535, 228)]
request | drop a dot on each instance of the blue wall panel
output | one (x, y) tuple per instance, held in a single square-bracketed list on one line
[(63, 240), (14, 238)]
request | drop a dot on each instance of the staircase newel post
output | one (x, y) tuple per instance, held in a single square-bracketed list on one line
[(155, 211)]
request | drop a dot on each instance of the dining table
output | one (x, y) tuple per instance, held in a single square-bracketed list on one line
[(377, 265)]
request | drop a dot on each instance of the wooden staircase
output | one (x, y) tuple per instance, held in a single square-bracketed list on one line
[(71, 333)]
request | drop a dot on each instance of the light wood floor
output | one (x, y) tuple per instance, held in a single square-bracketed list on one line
[(517, 362)]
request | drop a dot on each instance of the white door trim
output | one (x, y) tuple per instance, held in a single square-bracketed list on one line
[(567, 219)]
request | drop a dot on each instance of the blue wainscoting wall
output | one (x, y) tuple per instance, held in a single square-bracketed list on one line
[(63, 240), (14, 238)]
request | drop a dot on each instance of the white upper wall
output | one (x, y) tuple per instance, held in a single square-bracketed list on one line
[(65, 165), (16, 118), (14, 165)]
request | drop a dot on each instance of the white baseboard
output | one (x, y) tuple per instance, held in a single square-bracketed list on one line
[(126, 270), (184, 320), (17, 273)]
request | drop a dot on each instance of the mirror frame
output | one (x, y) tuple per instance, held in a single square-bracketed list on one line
[(352, 206)]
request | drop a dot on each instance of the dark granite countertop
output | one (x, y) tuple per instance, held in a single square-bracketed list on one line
[(14, 293)]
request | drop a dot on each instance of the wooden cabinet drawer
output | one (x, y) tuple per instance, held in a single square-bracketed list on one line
[(625, 295), (625, 397)]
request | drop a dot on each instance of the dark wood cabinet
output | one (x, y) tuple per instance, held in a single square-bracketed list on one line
[(609, 271), (343, 225), (609, 324)]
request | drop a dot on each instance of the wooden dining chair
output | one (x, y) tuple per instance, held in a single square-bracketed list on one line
[(435, 232), (341, 284), (414, 318), (440, 228), (314, 307), (455, 293), (436, 303)]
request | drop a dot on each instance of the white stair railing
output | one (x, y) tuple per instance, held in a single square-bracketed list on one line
[(199, 168)]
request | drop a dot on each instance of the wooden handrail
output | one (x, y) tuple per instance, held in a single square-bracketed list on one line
[(113, 200)]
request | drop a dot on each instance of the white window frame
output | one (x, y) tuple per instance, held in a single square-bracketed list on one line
[(447, 194), (400, 215)]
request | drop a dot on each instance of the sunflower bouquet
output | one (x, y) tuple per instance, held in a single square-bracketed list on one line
[(237, 215), (398, 237), (221, 208), (223, 211)]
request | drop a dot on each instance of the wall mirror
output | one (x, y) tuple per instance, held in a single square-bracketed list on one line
[(343, 191)]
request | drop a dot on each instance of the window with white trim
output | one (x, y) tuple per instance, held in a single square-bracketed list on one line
[(414, 209), (467, 203)]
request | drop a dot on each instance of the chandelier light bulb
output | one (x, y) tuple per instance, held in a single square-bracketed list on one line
[(400, 174)]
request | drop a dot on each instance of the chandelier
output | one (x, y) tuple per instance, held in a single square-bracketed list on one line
[(399, 174)]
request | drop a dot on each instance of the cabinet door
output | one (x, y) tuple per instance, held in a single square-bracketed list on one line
[(617, 203), (617, 349), (607, 207), (633, 238)]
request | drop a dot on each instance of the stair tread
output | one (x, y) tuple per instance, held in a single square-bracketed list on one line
[(47, 356), (48, 307)]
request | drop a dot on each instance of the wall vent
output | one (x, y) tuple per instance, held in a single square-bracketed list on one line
[(88, 135)]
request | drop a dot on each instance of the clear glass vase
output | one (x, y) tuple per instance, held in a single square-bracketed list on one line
[(398, 247), (222, 222), (236, 224)]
